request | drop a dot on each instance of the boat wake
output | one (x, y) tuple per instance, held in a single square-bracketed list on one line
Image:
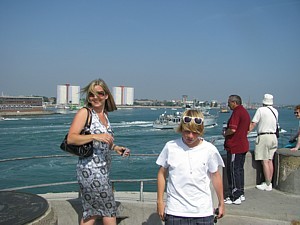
[(132, 124)]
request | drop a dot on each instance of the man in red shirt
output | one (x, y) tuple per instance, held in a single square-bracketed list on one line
[(237, 145)]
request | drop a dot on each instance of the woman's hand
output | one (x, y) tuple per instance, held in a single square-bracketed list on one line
[(121, 150), (105, 137)]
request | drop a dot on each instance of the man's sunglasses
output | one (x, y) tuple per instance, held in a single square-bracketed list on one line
[(296, 113), (216, 215), (188, 119), (98, 93)]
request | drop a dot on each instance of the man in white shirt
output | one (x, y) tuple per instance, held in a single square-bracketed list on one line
[(266, 119)]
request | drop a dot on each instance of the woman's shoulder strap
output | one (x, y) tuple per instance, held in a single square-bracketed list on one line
[(89, 117)]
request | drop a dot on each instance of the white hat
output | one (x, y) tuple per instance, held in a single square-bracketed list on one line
[(268, 99)]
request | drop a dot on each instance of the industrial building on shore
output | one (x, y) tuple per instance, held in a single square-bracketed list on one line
[(123, 95), (21, 105), (69, 95)]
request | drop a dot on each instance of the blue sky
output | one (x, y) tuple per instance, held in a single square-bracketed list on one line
[(163, 48)]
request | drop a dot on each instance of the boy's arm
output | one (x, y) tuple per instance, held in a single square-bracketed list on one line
[(161, 183), (218, 186)]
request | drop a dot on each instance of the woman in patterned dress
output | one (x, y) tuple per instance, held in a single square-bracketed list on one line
[(93, 172)]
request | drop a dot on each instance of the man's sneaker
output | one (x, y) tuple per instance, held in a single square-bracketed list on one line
[(238, 201), (269, 188), (227, 201), (264, 187), (243, 198)]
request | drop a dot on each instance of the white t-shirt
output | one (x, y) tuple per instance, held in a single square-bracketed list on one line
[(265, 120), (188, 187)]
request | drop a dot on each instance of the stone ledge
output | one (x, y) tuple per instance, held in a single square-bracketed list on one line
[(25, 208), (287, 168), (49, 218)]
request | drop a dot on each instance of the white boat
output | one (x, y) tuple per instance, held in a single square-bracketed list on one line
[(253, 134), (171, 121), (224, 110)]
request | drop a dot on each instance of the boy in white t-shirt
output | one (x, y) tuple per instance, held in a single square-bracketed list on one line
[(190, 163)]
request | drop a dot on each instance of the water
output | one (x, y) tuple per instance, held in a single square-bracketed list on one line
[(42, 135)]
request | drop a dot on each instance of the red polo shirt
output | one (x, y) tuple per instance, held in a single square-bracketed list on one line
[(239, 121)]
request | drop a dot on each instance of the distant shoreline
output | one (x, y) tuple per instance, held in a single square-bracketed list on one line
[(26, 113), (148, 106), (50, 112)]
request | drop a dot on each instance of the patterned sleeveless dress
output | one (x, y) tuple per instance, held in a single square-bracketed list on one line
[(93, 176)]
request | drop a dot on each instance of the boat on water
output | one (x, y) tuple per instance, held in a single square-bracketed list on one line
[(253, 134), (224, 110), (171, 121)]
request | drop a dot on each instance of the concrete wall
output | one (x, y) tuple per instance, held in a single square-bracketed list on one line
[(286, 176), (131, 212), (252, 169), (287, 171)]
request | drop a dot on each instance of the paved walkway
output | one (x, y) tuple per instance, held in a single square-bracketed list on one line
[(260, 208), (272, 207)]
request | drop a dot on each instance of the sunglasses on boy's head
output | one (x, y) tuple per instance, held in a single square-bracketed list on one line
[(98, 93), (188, 119)]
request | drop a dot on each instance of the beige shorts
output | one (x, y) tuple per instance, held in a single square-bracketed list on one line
[(265, 146)]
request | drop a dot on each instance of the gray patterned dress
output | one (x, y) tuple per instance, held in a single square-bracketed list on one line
[(93, 176)]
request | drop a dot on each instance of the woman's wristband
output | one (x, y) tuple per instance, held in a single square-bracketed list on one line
[(113, 147)]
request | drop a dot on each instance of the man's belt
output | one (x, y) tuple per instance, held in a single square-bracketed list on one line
[(263, 133)]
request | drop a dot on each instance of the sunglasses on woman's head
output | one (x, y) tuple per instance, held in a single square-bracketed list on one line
[(188, 119), (98, 93)]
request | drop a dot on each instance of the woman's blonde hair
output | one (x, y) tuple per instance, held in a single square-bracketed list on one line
[(191, 126), (110, 104)]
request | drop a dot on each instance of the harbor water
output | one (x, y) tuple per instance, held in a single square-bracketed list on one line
[(30, 136)]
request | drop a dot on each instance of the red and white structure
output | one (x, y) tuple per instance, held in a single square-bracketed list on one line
[(68, 94), (123, 95)]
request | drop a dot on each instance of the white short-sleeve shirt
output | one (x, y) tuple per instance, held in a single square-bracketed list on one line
[(265, 120), (188, 187)]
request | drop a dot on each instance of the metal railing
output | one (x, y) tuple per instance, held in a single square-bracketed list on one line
[(140, 181)]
